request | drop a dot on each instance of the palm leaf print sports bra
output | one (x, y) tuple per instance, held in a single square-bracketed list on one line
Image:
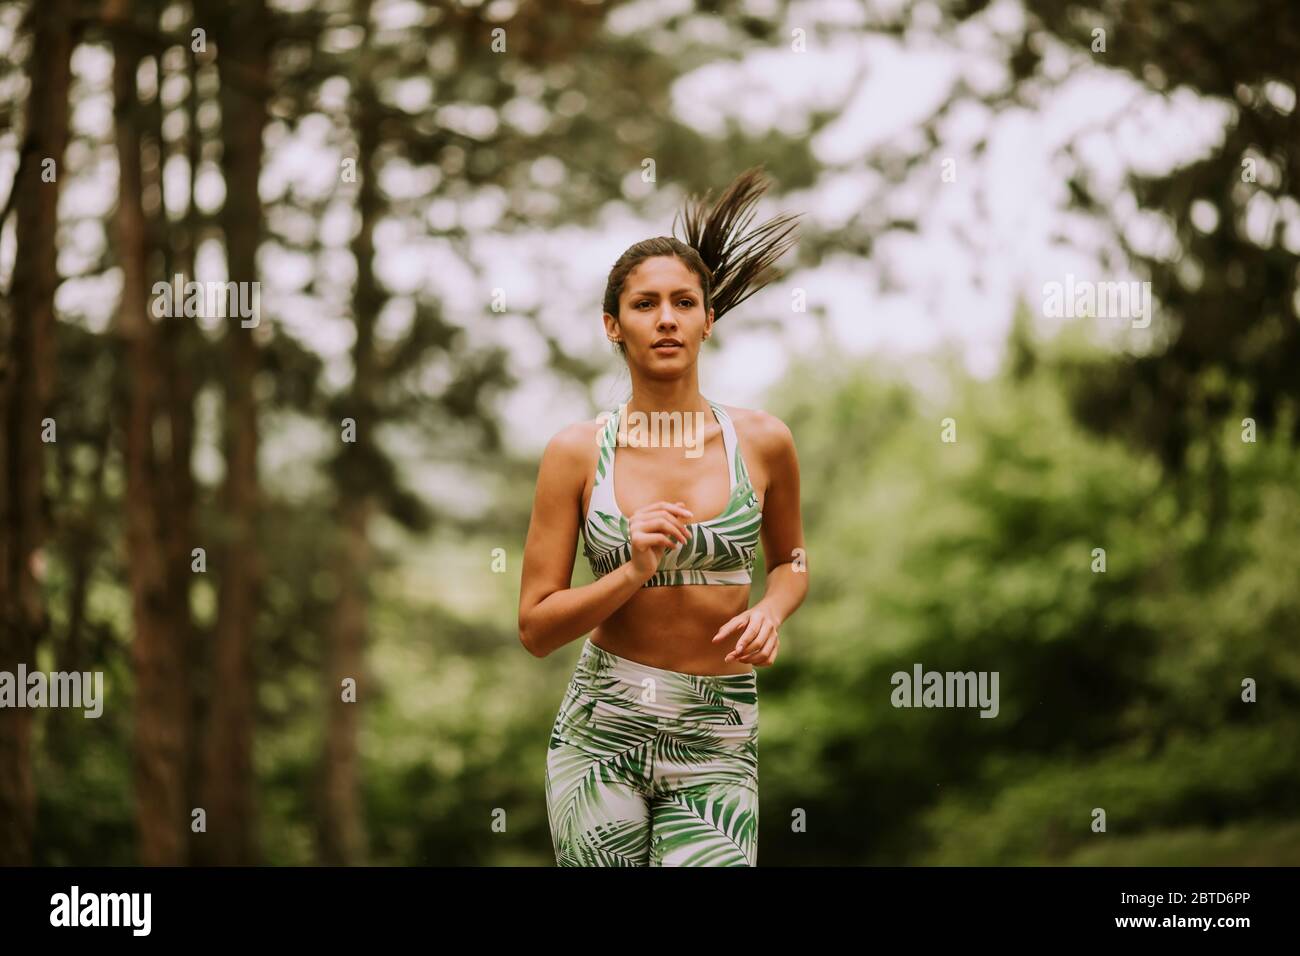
[(718, 551)]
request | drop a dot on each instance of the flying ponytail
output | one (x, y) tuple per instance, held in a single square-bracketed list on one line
[(732, 260), (739, 260)]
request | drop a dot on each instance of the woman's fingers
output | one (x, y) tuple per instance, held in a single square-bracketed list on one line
[(652, 539), (751, 630), (763, 650), (662, 523), (752, 648), (679, 526), (675, 507), (666, 519), (673, 511), (730, 626), (668, 513)]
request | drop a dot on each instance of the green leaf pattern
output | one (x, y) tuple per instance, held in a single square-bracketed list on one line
[(673, 782), (719, 551)]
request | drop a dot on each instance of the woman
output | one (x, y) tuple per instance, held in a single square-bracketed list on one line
[(653, 757)]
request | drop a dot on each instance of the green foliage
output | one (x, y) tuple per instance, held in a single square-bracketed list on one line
[(1118, 689), (1227, 294)]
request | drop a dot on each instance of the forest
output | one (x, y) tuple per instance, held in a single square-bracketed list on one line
[(294, 291)]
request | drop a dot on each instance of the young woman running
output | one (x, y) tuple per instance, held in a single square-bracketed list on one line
[(653, 756)]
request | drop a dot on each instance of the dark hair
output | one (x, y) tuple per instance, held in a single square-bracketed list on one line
[(732, 261)]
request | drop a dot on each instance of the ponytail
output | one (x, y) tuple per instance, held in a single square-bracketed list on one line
[(739, 260), (731, 260)]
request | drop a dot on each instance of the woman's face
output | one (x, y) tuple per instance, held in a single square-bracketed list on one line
[(661, 302)]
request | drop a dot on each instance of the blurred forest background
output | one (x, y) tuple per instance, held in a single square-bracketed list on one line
[(439, 126)]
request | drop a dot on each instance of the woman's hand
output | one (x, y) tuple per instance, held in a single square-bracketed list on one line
[(758, 643), (654, 529)]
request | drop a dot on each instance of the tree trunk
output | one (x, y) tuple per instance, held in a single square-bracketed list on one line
[(241, 33), (183, 389), (158, 658), (342, 834), (26, 383), (81, 531), (172, 245)]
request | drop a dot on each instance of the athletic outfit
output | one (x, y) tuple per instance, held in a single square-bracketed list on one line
[(718, 551), (648, 766)]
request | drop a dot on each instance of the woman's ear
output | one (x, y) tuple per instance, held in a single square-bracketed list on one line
[(611, 327)]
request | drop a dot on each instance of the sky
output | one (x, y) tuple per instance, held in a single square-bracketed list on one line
[(988, 236), (918, 292)]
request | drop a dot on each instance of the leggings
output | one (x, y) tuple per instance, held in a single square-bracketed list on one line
[(652, 767)]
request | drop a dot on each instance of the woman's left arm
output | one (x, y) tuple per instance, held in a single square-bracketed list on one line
[(783, 549)]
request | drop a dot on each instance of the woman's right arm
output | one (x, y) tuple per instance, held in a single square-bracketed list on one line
[(551, 613)]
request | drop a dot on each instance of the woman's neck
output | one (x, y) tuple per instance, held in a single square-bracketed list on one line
[(673, 395)]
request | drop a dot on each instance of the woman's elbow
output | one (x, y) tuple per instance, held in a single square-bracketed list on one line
[(528, 644), (528, 638)]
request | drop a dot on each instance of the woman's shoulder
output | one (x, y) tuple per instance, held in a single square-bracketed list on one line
[(762, 429), (576, 444)]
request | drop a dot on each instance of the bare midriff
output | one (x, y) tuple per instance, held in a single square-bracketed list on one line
[(673, 628)]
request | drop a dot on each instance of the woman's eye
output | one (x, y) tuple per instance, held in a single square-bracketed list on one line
[(688, 302)]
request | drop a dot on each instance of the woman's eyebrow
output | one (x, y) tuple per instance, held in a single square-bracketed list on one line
[(652, 292)]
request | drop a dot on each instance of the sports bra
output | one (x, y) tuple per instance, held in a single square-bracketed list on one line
[(718, 551)]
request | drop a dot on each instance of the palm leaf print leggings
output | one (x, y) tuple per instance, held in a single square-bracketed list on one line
[(653, 767)]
